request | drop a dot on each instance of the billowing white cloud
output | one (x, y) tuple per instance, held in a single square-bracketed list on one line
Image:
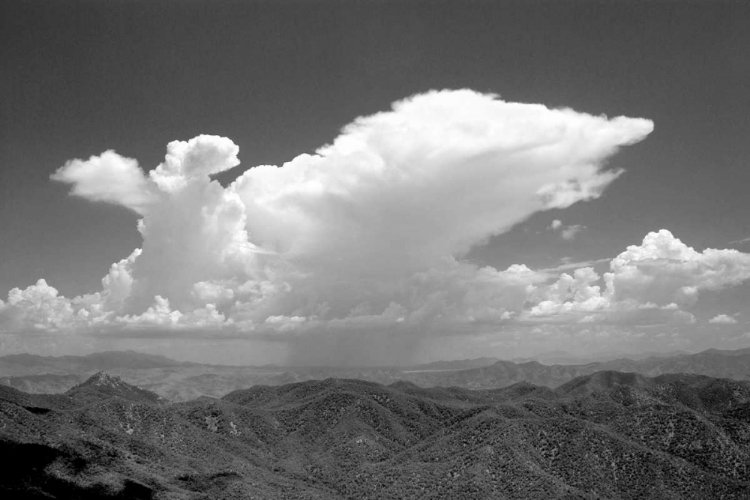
[(391, 193), (196, 158), (159, 314), (654, 281), (39, 307), (723, 319), (663, 270), (108, 177), (572, 294), (118, 283), (370, 232)]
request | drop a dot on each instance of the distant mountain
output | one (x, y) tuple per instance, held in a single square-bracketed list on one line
[(178, 381), (459, 364), (603, 435), (555, 357), (30, 364), (560, 357), (713, 362), (735, 352), (501, 374)]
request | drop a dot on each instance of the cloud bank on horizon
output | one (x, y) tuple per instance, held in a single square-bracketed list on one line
[(368, 235)]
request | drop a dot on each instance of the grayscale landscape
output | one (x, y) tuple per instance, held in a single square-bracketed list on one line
[(374, 249), (608, 434)]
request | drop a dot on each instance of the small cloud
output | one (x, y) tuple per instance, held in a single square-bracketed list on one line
[(683, 317), (723, 319), (566, 263), (109, 178), (566, 232), (740, 242), (570, 232)]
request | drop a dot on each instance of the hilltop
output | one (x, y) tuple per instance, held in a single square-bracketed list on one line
[(103, 386)]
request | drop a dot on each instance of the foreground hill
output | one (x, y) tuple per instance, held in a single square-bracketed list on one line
[(603, 435)]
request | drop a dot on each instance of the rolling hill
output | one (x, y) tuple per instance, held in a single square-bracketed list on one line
[(602, 435)]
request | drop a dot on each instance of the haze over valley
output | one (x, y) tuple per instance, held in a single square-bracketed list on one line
[(183, 381)]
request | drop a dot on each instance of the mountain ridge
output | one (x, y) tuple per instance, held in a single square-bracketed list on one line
[(602, 435), (183, 381)]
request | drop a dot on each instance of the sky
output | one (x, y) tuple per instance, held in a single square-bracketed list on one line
[(360, 183)]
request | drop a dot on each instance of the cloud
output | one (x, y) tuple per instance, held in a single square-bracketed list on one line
[(110, 178), (566, 232), (571, 294), (568, 264), (663, 270), (722, 319), (118, 283), (683, 317), (39, 307), (367, 234), (647, 283), (570, 232), (196, 158), (389, 193)]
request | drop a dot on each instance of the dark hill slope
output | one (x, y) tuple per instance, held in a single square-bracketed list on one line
[(604, 435)]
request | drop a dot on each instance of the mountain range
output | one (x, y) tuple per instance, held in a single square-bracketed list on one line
[(602, 435), (183, 381)]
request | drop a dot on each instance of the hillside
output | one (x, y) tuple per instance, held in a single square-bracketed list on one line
[(603, 435)]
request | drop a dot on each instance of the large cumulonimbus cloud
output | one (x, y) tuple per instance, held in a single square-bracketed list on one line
[(367, 234)]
